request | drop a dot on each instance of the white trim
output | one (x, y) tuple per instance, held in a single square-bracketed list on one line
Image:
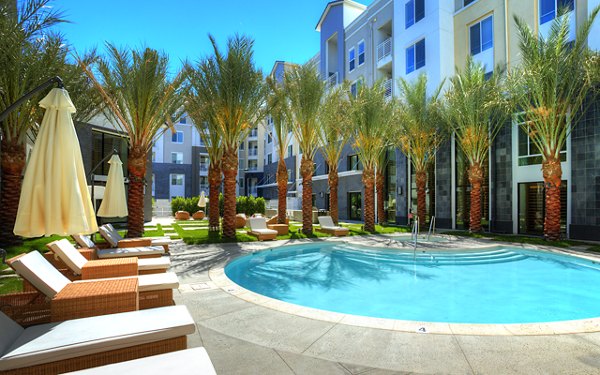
[(358, 52), (352, 49), (465, 7)]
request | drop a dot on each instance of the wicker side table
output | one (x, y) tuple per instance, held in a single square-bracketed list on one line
[(93, 298), (282, 229)]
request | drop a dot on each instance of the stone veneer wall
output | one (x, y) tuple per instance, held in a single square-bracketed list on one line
[(501, 181), (443, 186)]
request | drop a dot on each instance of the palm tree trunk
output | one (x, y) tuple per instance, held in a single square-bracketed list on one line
[(380, 198), (306, 170), (333, 180), (552, 173), (214, 185), (13, 163), (368, 178), (282, 180), (475, 178), (421, 180), (230, 170), (136, 166)]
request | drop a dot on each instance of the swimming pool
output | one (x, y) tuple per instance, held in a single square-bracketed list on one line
[(494, 285)]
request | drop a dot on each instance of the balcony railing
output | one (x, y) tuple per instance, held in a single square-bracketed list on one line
[(253, 133), (204, 187), (388, 88), (203, 167), (332, 80), (253, 167), (252, 151), (384, 49)]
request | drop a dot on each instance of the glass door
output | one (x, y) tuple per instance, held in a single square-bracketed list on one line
[(355, 206), (532, 208)]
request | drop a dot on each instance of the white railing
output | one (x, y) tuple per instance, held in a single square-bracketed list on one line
[(387, 85), (384, 49), (252, 167), (253, 133), (203, 167), (252, 151), (332, 80)]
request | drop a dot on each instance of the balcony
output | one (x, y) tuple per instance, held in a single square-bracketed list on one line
[(252, 168), (252, 153), (384, 53), (332, 80), (388, 88), (203, 167), (253, 133), (204, 187)]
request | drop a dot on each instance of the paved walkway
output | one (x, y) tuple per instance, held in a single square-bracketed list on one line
[(245, 338)]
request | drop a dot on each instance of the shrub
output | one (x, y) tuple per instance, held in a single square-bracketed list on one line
[(260, 205), (243, 205), (177, 204), (184, 204)]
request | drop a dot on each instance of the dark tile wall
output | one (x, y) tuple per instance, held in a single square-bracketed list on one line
[(443, 186), (501, 184), (585, 175), (402, 189), (162, 173)]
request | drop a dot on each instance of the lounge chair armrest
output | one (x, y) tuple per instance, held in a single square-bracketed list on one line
[(93, 298), (105, 268), (135, 242)]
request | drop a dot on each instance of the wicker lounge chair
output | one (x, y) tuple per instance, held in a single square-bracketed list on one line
[(327, 226), (80, 299), (97, 252), (258, 229), (83, 343), (110, 234), (189, 361), (105, 268)]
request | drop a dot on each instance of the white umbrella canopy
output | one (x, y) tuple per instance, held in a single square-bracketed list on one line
[(54, 195), (202, 200), (114, 203)]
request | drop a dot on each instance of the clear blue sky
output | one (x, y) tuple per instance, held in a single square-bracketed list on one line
[(282, 29)]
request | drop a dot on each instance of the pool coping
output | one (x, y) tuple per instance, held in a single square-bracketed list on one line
[(220, 280)]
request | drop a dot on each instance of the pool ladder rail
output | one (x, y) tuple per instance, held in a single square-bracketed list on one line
[(415, 232)]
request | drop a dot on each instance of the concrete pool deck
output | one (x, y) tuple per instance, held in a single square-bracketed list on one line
[(244, 334)]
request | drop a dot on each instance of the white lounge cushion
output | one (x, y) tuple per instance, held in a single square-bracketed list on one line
[(79, 337), (326, 222), (34, 268), (9, 332), (110, 235), (158, 281), (129, 252), (160, 241), (264, 231), (147, 264), (259, 225), (84, 241), (189, 361), (68, 254)]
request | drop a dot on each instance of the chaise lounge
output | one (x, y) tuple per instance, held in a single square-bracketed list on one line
[(112, 236), (258, 229), (327, 226), (95, 341), (80, 299), (92, 251), (104, 268)]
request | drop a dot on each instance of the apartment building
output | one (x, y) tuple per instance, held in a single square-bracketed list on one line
[(392, 39)]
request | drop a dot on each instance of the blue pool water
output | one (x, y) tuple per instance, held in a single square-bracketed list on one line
[(500, 285)]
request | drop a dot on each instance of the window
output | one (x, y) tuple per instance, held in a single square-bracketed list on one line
[(242, 145), (269, 138), (529, 154), (354, 163), (177, 180), (361, 52), (290, 175), (269, 159), (351, 59), (355, 86), (177, 137), (183, 120), (467, 2), (290, 151), (415, 56), (549, 8), (103, 145), (177, 157), (414, 12), (241, 182), (481, 36), (326, 168)]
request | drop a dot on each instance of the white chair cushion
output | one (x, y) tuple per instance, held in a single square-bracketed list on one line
[(9, 332), (113, 231), (109, 236), (257, 223), (264, 231), (129, 252), (326, 221), (158, 281), (161, 263), (189, 361), (160, 241), (68, 254), (34, 268), (84, 241), (80, 337)]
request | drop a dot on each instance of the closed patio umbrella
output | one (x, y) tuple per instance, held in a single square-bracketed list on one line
[(202, 200), (114, 203), (54, 196)]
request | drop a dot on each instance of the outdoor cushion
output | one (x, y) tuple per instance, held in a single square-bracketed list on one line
[(79, 337), (112, 236), (259, 225), (157, 281), (34, 268), (84, 241), (9, 332), (189, 361), (129, 251), (326, 222), (75, 261)]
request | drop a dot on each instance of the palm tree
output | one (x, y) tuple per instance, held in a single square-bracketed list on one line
[(476, 110), (420, 131), (199, 109), (335, 124), (234, 87), (28, 58), (305, 91), (141, 100), (380, 184), (278, 109), (551, 86), (373, 116)]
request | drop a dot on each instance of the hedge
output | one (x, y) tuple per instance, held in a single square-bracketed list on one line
[(245, 205)]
